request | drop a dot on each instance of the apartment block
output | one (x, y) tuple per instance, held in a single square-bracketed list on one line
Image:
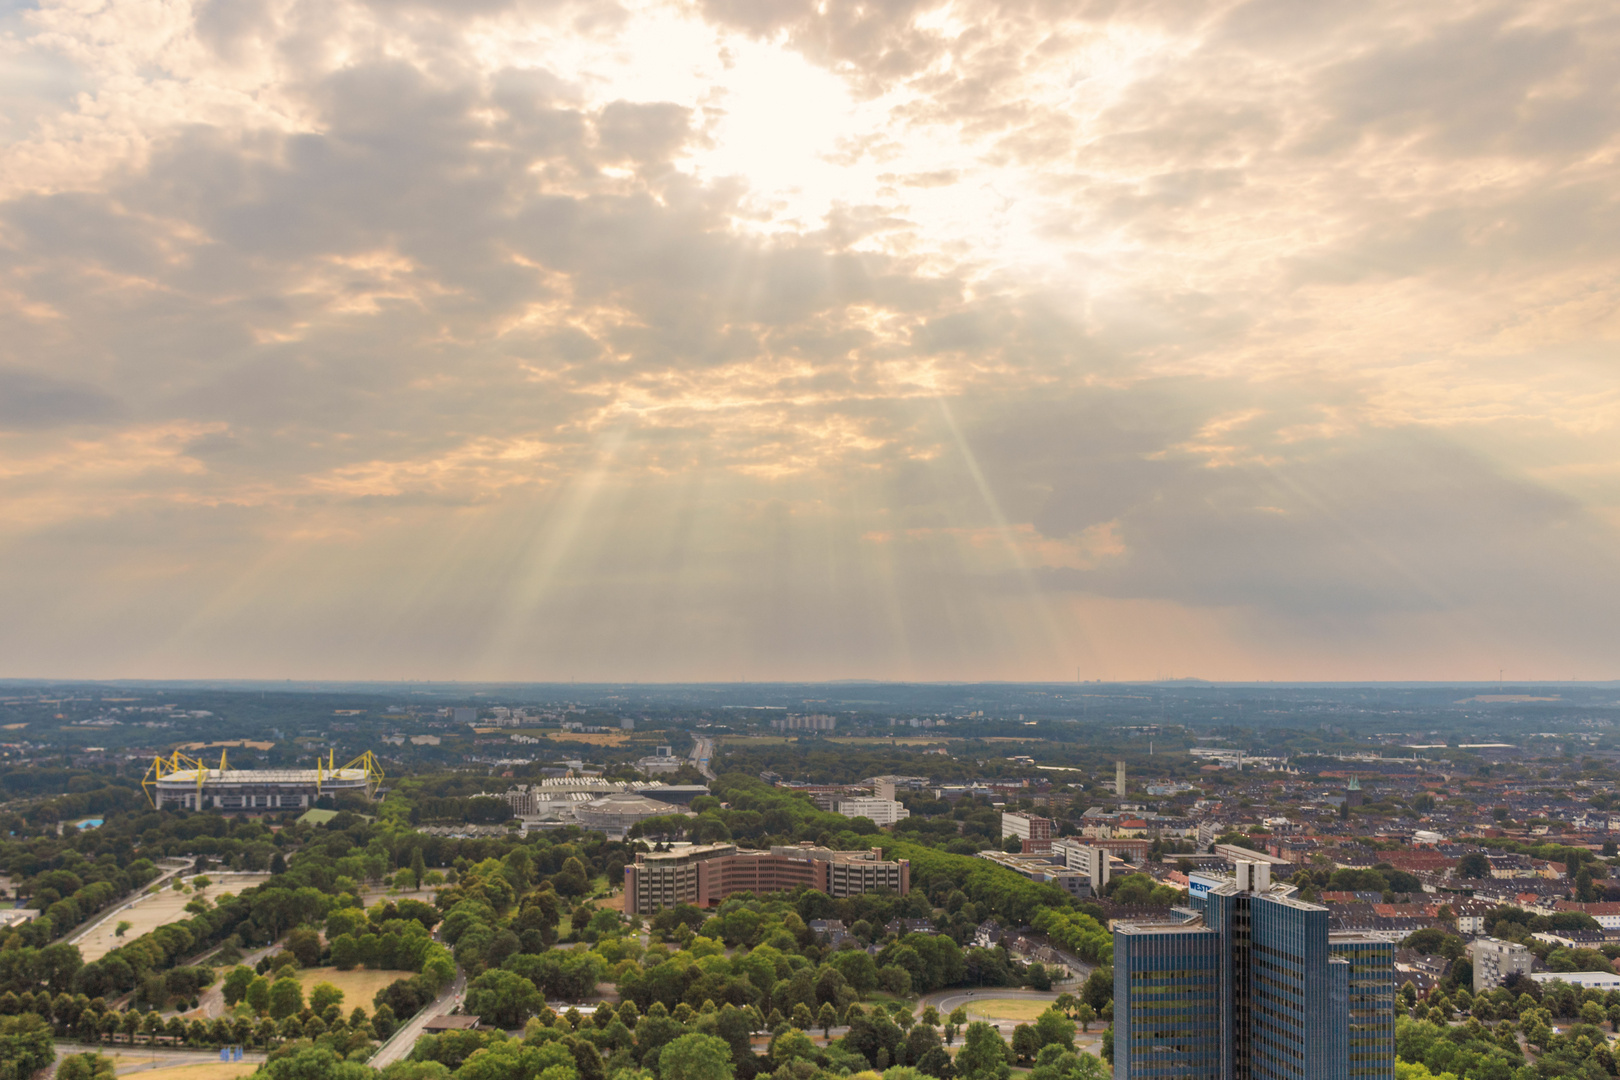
[(1036, 832), (1495, 960)]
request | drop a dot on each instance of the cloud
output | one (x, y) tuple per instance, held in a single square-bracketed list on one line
[(31, 400), (905, 339)]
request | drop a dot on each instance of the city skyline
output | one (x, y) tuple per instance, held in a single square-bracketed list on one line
[(709, 342)]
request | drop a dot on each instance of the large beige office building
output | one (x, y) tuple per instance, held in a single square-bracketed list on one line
[(705, 874)]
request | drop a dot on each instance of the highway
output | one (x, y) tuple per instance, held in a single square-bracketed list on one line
[(702, 754)]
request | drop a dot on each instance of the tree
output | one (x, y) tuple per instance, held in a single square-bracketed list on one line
[(315, 1063), (258, 995), (324, 994), (504, 998), (305, 945), (936, 1062), (695, 1057), (236, 984), (25, 1044), (1087, 1016), (1052, 1028), (1053, 1063), (1025, 1043), (826, 1019), (791, 1045), (858, 969), (286, 997), (954, 1023), (983, 1054), (418, 866), (1099, 988), (123, 927), (1473, 865)]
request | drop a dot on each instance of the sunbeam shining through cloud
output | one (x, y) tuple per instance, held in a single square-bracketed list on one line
[(792, 339)]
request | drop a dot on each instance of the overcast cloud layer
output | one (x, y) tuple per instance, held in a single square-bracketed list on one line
[(797, 339)]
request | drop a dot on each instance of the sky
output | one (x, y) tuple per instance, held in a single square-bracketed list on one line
[(808, 339)]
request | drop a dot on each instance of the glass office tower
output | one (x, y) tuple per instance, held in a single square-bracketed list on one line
[(1371, 1005), (1166, 1001), (1290, 1002)]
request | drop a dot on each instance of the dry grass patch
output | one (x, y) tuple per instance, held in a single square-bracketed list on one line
[(359, 986), (212, 1070), (157, 909), (590, 738)]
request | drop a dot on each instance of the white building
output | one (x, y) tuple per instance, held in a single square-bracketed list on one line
[(1586, 980), (1026, 826), (663, 761), (1494, 960), (879, 811), (1094, 862)]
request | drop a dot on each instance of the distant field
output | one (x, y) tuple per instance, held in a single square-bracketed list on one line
[(593, 740), (359, 986), (1007, 1008), (896, 740)]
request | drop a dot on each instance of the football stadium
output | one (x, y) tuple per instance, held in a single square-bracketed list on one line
[(180, 782)]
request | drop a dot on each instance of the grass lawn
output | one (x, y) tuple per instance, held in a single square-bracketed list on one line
[(1007, 1009), (359, 986), (212, 1070)]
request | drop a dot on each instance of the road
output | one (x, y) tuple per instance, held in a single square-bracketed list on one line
[(702, 754), (399, 1047), (136, 1059)]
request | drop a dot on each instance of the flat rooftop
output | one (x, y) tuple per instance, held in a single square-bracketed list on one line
[(264, 776), (1138, 928)]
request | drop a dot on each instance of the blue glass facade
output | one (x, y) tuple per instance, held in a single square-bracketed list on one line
[(1166, 993), (1371, 1005), (1284, 1001)]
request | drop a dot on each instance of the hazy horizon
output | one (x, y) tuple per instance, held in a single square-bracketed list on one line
[(908, 341)]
